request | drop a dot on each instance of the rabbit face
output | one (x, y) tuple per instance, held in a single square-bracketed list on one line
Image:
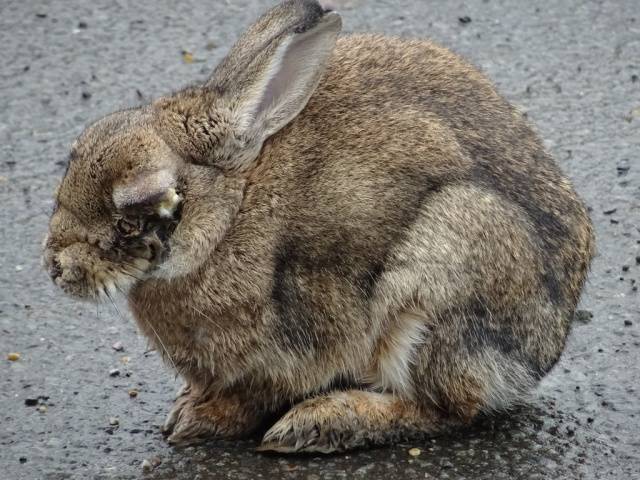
[(115, 210), (152, 191)]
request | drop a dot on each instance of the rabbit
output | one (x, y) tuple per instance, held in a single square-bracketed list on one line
[(344, 241)]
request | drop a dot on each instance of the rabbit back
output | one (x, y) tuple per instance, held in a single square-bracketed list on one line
[(406, 202)]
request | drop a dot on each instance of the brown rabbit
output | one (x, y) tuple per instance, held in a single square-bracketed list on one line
[(359, 229)]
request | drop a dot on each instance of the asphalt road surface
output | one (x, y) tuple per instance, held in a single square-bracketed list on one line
[(573, 66)]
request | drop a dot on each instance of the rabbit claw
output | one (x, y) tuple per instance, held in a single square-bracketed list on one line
[(313, 426), (182, 398), (197, 416), (186, 425)]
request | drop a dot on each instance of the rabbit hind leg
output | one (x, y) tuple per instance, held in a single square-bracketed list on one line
[(432, 378), (344, 420), (467, 367)]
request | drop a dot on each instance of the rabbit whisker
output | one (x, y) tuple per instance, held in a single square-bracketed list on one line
[(162, 345), (129, 274), (133, 267), (206, 317), (164, 348)]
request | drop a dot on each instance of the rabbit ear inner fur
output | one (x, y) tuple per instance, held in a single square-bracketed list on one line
[(276, 84), (288, 78)]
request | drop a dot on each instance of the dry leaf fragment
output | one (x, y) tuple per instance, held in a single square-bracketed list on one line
[(187, 57)]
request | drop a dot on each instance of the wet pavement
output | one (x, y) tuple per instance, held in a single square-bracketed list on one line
[(573, 66)]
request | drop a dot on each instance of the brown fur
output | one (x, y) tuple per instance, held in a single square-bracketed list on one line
[(405, 234)]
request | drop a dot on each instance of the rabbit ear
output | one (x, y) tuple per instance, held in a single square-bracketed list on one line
[(149, 193), (271, 72)]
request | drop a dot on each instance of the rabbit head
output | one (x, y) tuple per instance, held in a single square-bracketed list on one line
[(115, 208), (149, 191)]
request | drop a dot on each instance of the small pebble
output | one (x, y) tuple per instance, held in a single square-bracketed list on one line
[(146, 466), (114, 372), (114, 421), (583, 316), (133, 393), (42, 409), (446, 464), (414, 452), (118, 347), (155, 461), (13, 357), (622, 170)]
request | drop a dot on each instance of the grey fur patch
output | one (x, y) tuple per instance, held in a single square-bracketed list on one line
[(549, 230), (296, 313), (484, 331)]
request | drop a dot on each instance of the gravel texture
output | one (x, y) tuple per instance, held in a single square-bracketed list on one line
[(573, 66)]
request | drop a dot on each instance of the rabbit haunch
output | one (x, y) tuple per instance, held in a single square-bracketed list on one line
[(357, 229)]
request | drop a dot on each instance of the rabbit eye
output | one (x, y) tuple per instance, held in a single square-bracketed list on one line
[(129, 227)]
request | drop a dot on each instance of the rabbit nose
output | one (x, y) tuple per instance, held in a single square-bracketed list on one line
[(56, 269)]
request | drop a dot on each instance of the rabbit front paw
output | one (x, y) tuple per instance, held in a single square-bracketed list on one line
[(182, 399), (346, 420), (324, 424), (196, 417)]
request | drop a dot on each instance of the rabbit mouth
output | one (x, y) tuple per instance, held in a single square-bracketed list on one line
[(159, 246), (88, 272), (152, 243), (159, 243), (85, 272)]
